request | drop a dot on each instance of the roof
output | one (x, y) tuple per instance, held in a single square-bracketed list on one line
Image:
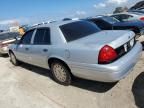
[(57, 24), (96, 17)]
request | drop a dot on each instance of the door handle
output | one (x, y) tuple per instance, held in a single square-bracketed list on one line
[(45, 50), (26, 49)]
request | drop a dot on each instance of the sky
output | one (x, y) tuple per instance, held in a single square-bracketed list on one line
[(35, 11)]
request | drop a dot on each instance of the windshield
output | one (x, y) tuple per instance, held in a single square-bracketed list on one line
[(80, 29), (9, 35), (137, 12), (110, 20)]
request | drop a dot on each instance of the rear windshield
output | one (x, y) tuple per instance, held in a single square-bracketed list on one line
[(10, 35), (80, 29)]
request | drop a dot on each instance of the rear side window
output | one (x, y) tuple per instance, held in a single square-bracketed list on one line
[(46, 39), (27, 37), (42, 36), (80, 29)]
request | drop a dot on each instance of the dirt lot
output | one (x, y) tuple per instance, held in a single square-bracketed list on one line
[(27, 86)]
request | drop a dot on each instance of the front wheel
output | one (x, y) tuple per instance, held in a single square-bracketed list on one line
[(13, 59), (61, 73)]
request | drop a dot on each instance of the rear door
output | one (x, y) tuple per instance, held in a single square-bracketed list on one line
[(41, 47), (24, 47)]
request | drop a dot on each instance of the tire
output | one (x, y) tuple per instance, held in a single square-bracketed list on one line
[(61, 73), (1, 55), (13, 59)]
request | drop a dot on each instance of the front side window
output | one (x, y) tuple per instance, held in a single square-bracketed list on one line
[(80, 29), (117, 17), (110, 20), (42, 36), (27, 37), (122, 17), (125, 17)]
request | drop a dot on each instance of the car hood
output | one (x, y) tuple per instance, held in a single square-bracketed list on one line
[(114, 38), (139, 24)]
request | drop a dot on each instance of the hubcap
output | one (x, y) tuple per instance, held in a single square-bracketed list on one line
[(13, 58), (59, 72)]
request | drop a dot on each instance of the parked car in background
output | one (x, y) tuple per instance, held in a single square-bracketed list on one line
[(110, 23), (138, 5), (78, 48), (1, 31), (129, 16), (138, 11), (66, 19), (7, 38)]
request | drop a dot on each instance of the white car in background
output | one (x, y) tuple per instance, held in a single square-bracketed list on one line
[(128, 16), (7, 38)]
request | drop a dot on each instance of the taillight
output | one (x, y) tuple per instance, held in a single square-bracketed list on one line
[(3, 45), (107, 55), (142, 18)]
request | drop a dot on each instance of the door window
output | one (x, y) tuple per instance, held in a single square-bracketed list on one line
[(42, 36), (26, 39), (122, 17)]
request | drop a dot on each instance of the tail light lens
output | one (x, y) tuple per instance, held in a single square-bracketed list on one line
[(142, 18), (107, 55), (3, 45)]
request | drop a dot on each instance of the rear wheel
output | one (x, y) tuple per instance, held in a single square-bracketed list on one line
[(13, 59), (61, 73)]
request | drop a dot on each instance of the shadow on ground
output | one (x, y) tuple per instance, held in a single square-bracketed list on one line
[(77, 82), (142, 44), (138, 90), (37, 70), (94, 86), (4, 55)]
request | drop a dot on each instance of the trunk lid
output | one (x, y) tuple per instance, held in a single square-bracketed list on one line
[(114, 38)]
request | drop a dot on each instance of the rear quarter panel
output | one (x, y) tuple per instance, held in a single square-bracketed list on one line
[(78, 54), (75, 55)]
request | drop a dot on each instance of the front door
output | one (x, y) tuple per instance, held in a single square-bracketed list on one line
[(41, 47), (24, 47)]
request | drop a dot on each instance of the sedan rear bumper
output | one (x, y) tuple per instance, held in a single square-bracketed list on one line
[(111, 72), (4, 50)]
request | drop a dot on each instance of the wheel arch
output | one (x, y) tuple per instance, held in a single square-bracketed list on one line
[(52, 59), (10, 51)]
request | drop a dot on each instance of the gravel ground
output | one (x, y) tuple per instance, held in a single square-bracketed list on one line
[(27, 86)]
